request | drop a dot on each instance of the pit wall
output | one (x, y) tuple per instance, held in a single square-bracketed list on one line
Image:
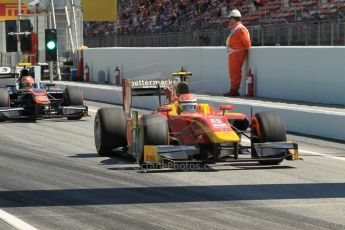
[(308, 74), (318, 121)]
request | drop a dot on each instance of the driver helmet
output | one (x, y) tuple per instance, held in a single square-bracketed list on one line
[(27, 82), (187, 103)]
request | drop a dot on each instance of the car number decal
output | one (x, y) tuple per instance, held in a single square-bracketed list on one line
[(218, 123)]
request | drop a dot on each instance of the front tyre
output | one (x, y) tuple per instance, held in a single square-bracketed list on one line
[(268, 127), (73, 96), (109, 130), (4, 101), (155, 132)]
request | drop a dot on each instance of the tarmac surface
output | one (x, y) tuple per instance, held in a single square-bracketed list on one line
[(4, 226), (52, 178)]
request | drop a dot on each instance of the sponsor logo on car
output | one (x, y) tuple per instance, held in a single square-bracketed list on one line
[(150, 83)]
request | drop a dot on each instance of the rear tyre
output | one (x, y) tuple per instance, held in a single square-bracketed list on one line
[(109, 130), (4, 101), (156, 132), (268, 127), (4, 98), (74, 96)]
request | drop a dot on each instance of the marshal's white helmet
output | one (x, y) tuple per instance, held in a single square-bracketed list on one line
[(235, 14)]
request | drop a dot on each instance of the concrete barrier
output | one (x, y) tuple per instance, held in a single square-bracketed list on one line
[(308, 74), (111, 95), (328, 122)]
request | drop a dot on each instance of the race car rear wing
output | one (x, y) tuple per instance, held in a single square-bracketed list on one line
[(135, 88), (182, 75)]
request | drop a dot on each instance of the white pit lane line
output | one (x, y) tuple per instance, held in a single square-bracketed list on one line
[(270, 105), (312, 153), (14, 221)]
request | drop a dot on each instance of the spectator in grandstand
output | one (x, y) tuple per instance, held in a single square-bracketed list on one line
[(237, 43), (259, 3)]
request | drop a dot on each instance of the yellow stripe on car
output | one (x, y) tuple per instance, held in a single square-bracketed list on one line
[(151, 154), (295, 155), (219, 136)]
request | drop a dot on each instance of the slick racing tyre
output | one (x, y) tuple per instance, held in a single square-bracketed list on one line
[(74, 96), (268, 127), (155, 131), (4, 101), (109, 130)]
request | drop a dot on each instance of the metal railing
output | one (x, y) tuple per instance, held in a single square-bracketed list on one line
[(8, 59), (299, 34)]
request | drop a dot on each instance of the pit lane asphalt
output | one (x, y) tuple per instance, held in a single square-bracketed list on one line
[(52, 178)]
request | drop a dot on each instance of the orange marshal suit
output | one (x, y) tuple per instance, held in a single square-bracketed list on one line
[(238, 43)]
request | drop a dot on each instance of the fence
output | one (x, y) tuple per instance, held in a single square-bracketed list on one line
[(302, 33)]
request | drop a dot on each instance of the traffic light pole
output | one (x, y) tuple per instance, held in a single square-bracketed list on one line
[(18, 32), (38, 50), (51, 75), (54, 27)]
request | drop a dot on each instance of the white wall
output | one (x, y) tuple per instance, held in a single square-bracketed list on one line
[(208, 64), (309, 74)]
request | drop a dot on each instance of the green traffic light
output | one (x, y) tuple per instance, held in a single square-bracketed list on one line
[(51, 45)]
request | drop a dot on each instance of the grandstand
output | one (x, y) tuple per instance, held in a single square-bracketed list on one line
[(154, 17)]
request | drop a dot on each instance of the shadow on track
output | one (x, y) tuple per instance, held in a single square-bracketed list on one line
[(121, 161), (40, 120), (176, 194), (255, 166), (85, 155)]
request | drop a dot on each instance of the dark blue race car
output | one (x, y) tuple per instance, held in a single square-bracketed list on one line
[(28, 99)]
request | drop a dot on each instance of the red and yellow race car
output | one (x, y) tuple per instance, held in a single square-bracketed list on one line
[(183, 131)]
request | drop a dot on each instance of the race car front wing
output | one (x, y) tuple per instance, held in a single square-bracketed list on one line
[(269, 151), (63, 111)]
